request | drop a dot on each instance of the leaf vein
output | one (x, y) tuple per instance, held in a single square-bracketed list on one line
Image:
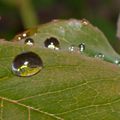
[(31, 108)]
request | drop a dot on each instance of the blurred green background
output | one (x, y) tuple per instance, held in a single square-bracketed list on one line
[(18, 15)]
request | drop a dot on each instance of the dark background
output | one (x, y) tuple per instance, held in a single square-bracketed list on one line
[(13, 20)]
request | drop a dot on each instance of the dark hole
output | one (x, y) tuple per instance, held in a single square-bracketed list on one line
[(52, 40)]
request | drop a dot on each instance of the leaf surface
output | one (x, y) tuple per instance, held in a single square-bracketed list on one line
[(71, 86)]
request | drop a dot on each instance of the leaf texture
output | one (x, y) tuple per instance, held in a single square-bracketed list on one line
[(71, 86)]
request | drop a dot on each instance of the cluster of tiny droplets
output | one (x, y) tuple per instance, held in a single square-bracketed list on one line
[(74, 48), (22, 36), (71, 48), (99, 55), (81, 47)]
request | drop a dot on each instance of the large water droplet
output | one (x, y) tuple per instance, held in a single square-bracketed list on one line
[(52, 43), (29, 41), (27, 64), (99, 55), (81, 47)]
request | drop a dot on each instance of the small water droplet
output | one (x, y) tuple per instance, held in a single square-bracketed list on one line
[(117, 62), (52, 43), (81, 47), (84, 22), (19, 38), (26, 64), (24, 34), (73, 48), (29, 41), (99, 55)]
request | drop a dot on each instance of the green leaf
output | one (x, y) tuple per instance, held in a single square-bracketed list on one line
[(73, 32), (71, 86)]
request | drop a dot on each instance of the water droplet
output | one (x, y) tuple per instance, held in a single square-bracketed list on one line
[(73, 48), (19, 38), (52, 43), (29, 41), (24, 34), (117, 62), (81, 47), (84, 22), (99, 55), (27, 64)]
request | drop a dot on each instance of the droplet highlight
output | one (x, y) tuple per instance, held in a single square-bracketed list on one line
[(24, 34), (117, 62), (27, 64), (52, 43), (73, 48), (81, 47), (19, 38), (29, 41)]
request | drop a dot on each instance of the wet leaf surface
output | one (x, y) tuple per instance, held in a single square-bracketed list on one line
[(71, 86)]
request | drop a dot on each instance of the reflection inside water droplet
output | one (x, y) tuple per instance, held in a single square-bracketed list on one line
[(27, 64), (52, 43), (99, 55), (29, 41), (81, 47)]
